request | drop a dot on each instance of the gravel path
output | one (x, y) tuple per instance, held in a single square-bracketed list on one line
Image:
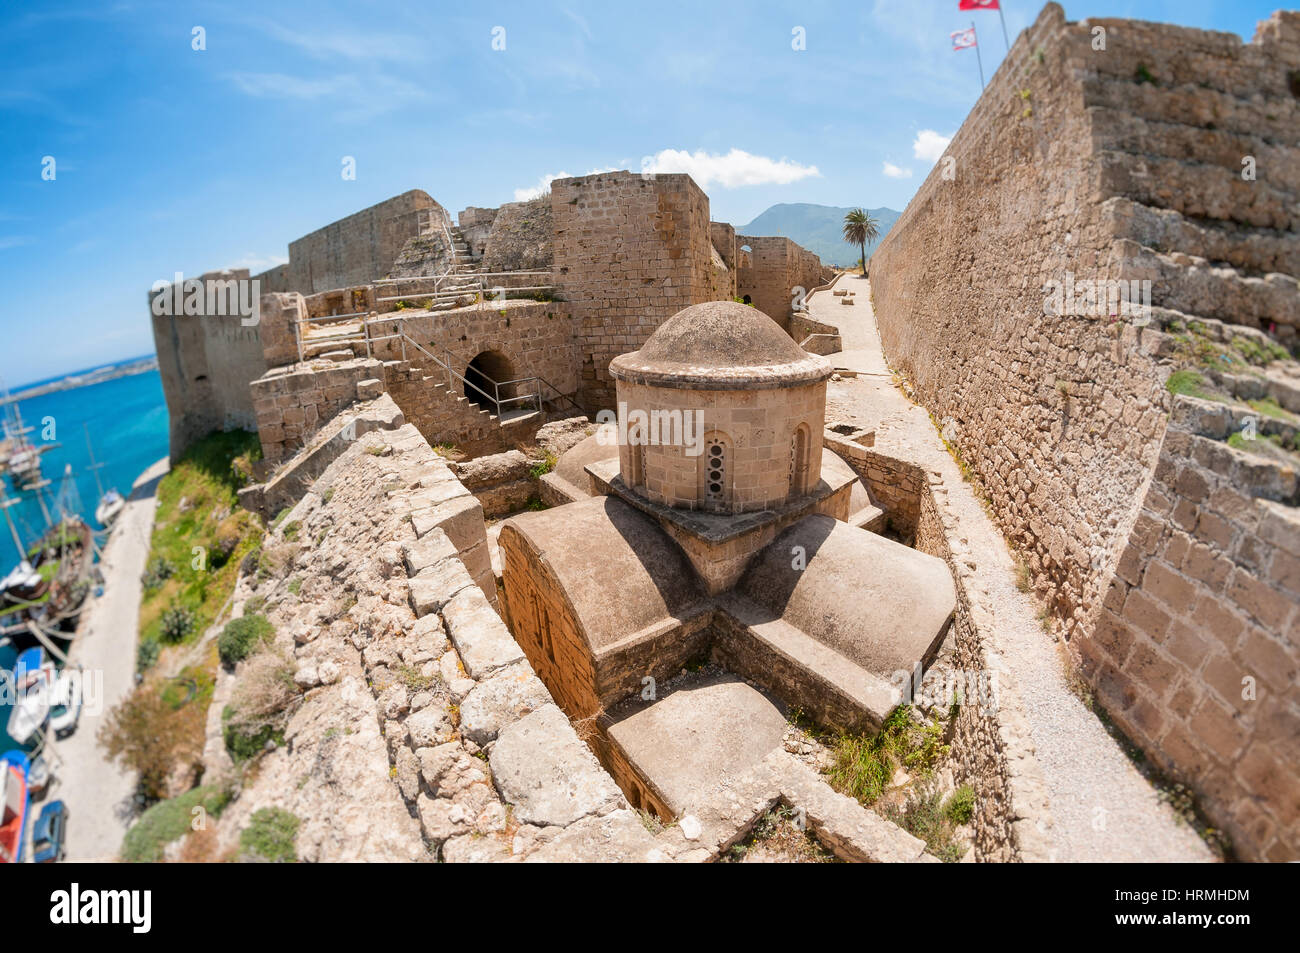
[(1103, 809), (97, 791)]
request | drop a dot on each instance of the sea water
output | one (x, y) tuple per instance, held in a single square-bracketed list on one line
[(127, 419)]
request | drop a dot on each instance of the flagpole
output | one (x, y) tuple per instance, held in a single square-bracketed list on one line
[(1004, 28), (978, 59)]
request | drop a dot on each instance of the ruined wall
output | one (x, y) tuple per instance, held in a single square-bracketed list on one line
[(771, 272), (630, 252), (520, 237), (1196, 652), (723, 237), (292, 402), (205, 361), (475, 226), (361, 247), (1120, 163)]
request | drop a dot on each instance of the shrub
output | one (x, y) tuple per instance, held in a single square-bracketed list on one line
[(265, 690), (169, 820), (270, 835), (176, 624), (146, 654), (961, 804), (152, 738), (243, 742), (156, 573), (241, 636)]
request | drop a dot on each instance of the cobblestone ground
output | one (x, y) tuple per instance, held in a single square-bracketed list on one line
[(1103, 809)]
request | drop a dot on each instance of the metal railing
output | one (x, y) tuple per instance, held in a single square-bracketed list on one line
[(494, 398)]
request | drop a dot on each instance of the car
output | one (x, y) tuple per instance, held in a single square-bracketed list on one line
[(65, 703), (50, 833)]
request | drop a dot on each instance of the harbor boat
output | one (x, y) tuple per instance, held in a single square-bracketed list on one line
[(110, 507), (111, 503), (33, 686), (64, 559), (19, 457), (23, 584), (15, 801)]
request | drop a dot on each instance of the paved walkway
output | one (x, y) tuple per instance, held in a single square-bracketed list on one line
[(1102, 807), (97, 791)]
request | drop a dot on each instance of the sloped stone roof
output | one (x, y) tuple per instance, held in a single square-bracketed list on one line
[(720, 345)]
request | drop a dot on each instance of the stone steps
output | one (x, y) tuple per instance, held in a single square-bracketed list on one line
[(1250, 250), (1195, 286), (1195, 190), (1278, 165), (1276, 121)]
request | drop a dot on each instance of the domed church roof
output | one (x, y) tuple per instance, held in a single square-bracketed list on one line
[(720, 345)]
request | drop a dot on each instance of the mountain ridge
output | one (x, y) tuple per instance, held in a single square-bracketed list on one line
[(818, 228)]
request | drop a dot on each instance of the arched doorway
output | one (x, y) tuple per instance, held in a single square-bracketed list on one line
[(488, 370)]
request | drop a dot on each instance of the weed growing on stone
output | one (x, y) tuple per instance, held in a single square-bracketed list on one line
[(863, 766), (929, 816)]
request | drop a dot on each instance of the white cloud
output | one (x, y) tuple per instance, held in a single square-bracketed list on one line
[(929, 145), (544, 183), (736, 168), (896, 172), (732, 170), (257, 263)]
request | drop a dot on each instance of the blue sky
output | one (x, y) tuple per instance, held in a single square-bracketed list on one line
[(170, 159)]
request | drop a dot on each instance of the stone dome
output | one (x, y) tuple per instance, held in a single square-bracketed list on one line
[(720, 345)]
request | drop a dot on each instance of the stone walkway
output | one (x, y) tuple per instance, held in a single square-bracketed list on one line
[(1102, 808), (97, 791)]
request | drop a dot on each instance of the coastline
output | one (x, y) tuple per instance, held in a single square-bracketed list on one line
[(73, 381)]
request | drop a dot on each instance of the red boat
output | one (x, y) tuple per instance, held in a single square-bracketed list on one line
[(14, 802)]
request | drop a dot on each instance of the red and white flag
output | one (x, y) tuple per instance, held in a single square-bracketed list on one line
[(978, 5), (963, 39)]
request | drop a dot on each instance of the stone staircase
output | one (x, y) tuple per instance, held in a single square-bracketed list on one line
[(444, 415), (1172, 129)]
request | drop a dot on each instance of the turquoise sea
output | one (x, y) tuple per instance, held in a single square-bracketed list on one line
[(127, 419)]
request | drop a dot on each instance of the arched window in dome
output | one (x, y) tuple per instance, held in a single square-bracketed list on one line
[(799, 466), (715, 472)]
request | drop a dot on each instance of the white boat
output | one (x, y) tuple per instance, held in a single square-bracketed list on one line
[(33, 683), (110, 507)]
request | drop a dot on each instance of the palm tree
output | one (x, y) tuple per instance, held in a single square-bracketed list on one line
[(860, 228)]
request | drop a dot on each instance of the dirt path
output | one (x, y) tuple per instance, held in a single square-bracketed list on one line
[(97, 791), (1103, 809)]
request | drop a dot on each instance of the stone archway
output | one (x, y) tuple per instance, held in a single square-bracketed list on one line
[(485, 380)]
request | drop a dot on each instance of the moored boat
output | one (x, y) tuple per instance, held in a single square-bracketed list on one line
[(33, 687), (15, 801)]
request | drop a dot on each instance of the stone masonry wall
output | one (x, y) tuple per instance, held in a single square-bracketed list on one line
[(205, 362), (1119, 163), (1197, 649), (362, 247), (1059, 416), (630, 252), (772, 271), (292, 402)]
